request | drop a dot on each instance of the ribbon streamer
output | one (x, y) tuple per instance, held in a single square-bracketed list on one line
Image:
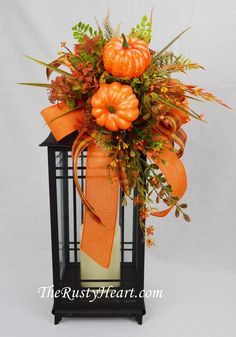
[(102, 193)]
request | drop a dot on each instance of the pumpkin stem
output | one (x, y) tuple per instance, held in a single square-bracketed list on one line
[(111, 108), (125, 43)]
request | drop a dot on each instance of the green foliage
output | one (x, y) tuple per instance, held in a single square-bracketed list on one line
[(163, 59), (81, 29), (143, 30)]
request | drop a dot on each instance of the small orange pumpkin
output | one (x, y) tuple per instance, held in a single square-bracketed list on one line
[(115, 106), (126, 57)]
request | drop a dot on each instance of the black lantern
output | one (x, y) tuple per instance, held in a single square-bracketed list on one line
[(66, 211)]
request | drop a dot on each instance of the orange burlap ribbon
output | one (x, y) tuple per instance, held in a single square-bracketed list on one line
[(60, 122), (101, 194)]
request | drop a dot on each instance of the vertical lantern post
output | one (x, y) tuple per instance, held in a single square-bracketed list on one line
[(67, 212)]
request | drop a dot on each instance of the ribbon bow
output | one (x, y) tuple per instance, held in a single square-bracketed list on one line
[(101, 196)]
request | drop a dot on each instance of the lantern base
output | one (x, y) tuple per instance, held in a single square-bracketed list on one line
[(104, 306), (119, 311)]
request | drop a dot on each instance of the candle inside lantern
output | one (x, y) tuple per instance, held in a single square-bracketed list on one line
[(90, 270)]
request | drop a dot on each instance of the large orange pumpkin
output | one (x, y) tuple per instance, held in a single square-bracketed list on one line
[(115, 106), (126, 57)]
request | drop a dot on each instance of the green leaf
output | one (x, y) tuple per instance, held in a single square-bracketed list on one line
[(82, 29), (124, 201), (194, 98), (177, 212), (164, 162), (143, 30), (62, 72), (173, 41), (44, 85), (187, 217), (70, 103), (163, 100), (154, 209)]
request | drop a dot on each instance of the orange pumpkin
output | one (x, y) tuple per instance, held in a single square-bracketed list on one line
[(126, 57), (115, 106)]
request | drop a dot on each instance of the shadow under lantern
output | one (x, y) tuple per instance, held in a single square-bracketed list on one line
[(67, 212)]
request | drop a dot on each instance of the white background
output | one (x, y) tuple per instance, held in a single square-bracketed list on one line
[(193, 263)]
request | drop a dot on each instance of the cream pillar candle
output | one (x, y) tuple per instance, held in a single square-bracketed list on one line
[(89, 269)]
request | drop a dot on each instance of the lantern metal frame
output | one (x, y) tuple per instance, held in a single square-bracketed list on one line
[(66, 271)]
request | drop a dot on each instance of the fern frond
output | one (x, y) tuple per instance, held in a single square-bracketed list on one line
[(169, 63), (143, 30), (163, 59), (108, 30), (81, 29)]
